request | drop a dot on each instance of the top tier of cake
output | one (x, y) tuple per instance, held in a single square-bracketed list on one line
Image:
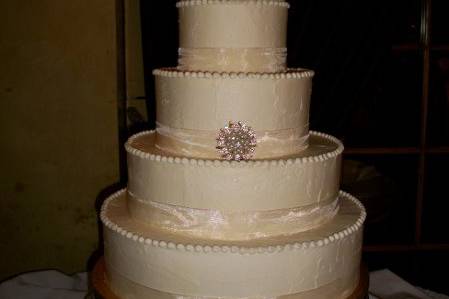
[(232, 36)]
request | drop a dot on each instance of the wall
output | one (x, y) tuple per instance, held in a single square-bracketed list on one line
[(58, 125)]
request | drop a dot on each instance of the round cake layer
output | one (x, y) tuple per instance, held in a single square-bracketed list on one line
[(193, 106), (307, 178), (139, 257), (232, 24), (253, 41)]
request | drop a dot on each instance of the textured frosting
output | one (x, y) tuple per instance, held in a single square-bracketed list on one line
[(193, 226), (309, 177), (195, 104), (232, 24), (245, 36), (266, 268)]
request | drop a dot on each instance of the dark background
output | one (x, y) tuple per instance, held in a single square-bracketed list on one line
[(382, 86)]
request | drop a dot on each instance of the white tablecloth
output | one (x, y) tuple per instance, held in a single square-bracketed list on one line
[(45, 285)]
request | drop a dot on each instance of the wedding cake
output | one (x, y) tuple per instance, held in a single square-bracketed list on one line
[(232, 196)]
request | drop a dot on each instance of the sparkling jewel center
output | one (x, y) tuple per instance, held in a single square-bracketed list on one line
[(236, 141)]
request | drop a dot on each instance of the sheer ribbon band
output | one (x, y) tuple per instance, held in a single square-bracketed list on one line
[(202, 143), (338, 289), (233, 59), (225, 225)]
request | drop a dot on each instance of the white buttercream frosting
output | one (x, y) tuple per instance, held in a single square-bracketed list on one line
[(192, 106), (193, 226), (309, 177), (232, 24)]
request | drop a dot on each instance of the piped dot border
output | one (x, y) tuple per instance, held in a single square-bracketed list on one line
[(296, 73), (189, 3)]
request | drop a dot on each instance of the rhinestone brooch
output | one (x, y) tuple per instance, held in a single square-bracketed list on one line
[(236, 141)]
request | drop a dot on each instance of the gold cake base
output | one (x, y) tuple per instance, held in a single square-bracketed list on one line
[(102, 291)]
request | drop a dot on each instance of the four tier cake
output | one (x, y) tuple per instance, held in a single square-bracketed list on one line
[(232, 196)]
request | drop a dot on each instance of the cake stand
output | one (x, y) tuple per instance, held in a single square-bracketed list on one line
[(102, 291)]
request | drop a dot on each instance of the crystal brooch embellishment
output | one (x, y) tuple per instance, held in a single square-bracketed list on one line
[(236, 141)]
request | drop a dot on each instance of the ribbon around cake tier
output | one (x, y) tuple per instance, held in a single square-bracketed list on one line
[(202, 143), (233, 59), (226, 225), (339, 289)]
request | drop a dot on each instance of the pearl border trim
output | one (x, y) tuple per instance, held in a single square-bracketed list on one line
[(187, 3), (226, 163), (234, 249), (294, 73)]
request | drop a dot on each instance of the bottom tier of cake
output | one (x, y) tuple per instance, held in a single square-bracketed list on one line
[(142, 262)]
